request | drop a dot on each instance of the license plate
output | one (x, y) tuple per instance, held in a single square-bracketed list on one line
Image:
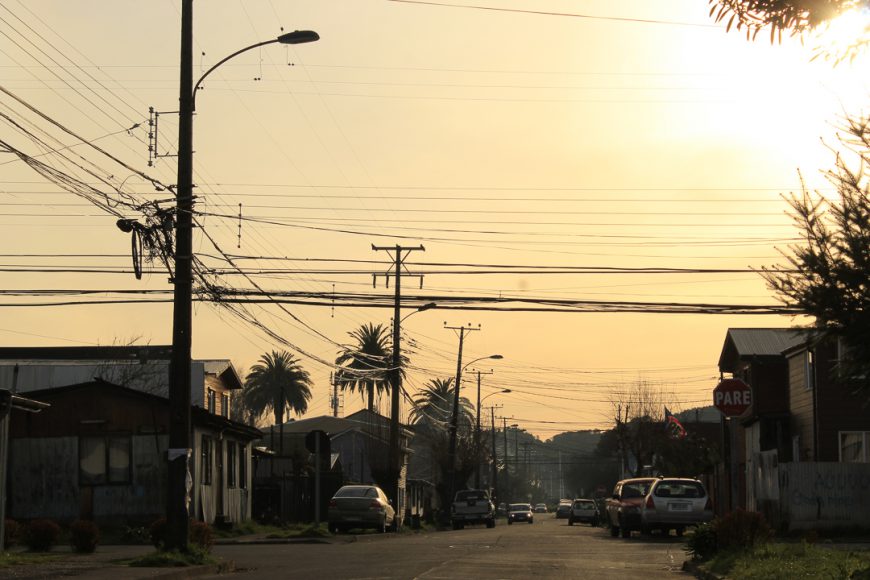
[(471, 503), (353, 519), (678, 507)]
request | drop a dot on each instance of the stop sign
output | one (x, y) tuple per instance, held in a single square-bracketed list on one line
[(732, 397)]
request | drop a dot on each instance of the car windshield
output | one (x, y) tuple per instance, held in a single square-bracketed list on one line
[(356, 492), (520, 507), (471, 494), (638, 489), (680, 489)]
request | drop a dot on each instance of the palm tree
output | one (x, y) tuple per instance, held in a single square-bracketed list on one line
[(276, 384), (434, 405), (365, 366)]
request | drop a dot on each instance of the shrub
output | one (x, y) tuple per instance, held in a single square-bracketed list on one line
[(201, 535), (701, 543), (741, 529), (157, 531), (12, 533), (84, 536), (42, 535)]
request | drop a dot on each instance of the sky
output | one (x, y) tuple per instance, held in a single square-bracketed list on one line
[(512, 135)]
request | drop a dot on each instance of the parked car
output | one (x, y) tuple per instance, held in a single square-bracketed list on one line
[(675, 503), (623, 506), (563, 510), (360, 506), (472, 506), (585, 511), (541, 508), (520, 512)]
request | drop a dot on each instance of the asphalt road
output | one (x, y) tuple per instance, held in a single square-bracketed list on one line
[(549, 548)]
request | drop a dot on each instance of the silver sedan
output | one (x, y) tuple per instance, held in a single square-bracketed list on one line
[(360, 506)]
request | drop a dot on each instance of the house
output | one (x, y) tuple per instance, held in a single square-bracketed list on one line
[(754, 355), (144, 368), (100, 452), (829, 421), (800, 453)]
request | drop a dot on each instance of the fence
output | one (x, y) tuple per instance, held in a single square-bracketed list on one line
[(812, 495)]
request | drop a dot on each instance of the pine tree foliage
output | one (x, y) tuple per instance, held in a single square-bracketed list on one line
[(828, 274)]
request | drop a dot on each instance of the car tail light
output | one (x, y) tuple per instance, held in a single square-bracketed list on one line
[(375, 505), (650, 504), (333, 503), (709, 505)]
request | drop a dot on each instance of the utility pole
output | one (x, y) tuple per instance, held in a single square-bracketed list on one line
[(334, 401), (494, 458), (177, 516), (504, 433), (477, 433), (394, 456), (454, 419)]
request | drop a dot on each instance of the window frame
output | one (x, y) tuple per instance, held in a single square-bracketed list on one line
[(211, 402), (205, 459), (865, 439), (809, 369), (225, 405), (107, 440), (243, 466), (232, 458)]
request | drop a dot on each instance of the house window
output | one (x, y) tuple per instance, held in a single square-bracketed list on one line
[(243, 466), (853, 447), (231, 464), (211, 401), (105, 460), (205, 460), (225, 405), (796, 448), (810, 370)]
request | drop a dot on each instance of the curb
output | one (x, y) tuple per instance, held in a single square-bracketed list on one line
[(261, 541)]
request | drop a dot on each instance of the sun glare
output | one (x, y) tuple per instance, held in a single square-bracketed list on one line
[(846, 37)]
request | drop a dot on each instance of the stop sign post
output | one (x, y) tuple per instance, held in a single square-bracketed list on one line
[(732, 397)]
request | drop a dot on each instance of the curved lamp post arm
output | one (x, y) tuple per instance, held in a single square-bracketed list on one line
[(295, 37)]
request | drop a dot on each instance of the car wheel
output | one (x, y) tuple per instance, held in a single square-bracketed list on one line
[(679, 531), (333, 528), (570, 522), (625, 532), (382, 527), (531, 520), (490, 523), (645, 530), (614, 530), (510, 522)]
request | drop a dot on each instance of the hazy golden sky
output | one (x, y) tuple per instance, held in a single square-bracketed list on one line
[(605, 134)]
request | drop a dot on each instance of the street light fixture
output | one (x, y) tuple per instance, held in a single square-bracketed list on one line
[(177, 516), (423, 308)]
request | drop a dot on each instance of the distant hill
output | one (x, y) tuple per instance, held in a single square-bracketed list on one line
[(582, 442)]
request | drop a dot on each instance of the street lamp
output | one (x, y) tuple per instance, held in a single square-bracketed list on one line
[(454, 419), (423, 308), (180, 367)]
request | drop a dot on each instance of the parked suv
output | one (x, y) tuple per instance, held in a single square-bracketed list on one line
[(623, 506), (584, 510), (674, 503)]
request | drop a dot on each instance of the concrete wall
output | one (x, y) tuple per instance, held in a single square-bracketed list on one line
[(824, 495)]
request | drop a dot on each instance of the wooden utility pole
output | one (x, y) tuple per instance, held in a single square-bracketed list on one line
[(477, 432), (394, 456), (454, 418), (177, 516)]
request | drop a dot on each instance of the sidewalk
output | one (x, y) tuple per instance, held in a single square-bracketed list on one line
[(104, 564)]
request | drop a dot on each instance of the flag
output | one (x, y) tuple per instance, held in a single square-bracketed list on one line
[(673, 426)]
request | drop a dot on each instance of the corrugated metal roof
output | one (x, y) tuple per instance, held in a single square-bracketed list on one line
[(753, 342), (765, 341)]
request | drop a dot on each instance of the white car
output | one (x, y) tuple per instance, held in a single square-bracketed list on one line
[(674, 504), (586, 511)]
